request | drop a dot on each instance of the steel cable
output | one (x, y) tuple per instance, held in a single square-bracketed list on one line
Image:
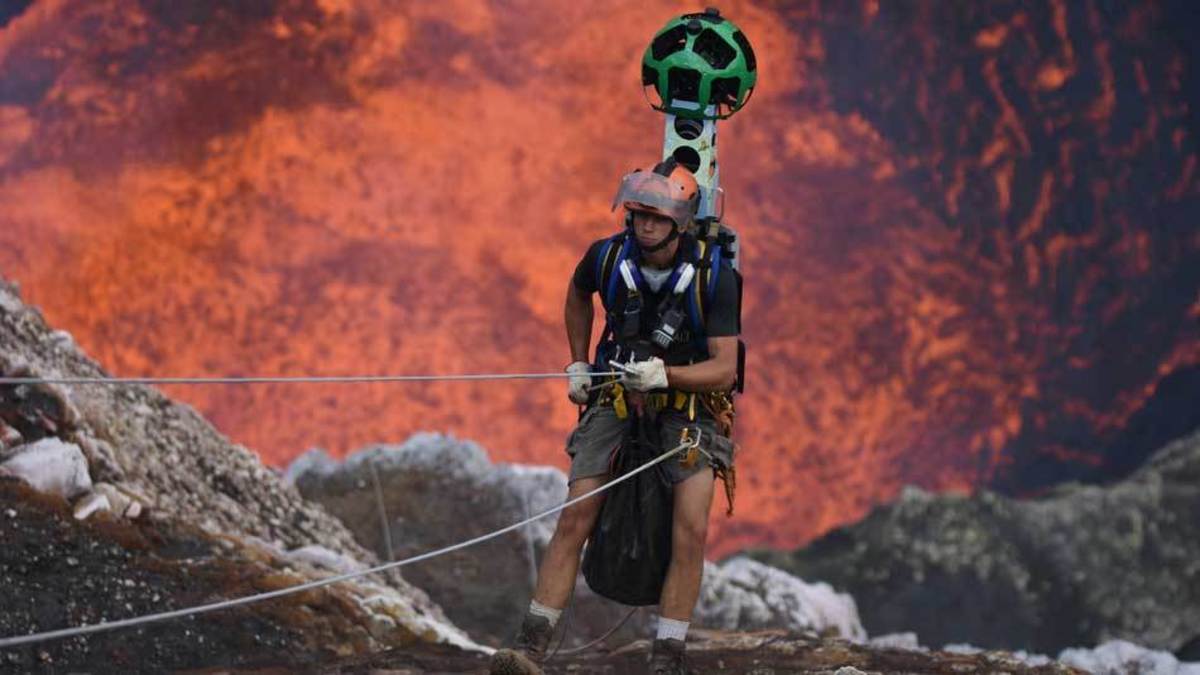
[(335, 379)]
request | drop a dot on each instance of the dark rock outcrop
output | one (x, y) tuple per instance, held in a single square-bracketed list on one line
[(436, 492), (1081, 565)]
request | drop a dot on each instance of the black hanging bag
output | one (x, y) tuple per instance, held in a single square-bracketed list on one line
[(630, 544)]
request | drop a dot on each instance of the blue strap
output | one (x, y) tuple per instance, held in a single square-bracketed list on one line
[(674, 279), (638, 280), (692, 310), (712, 275), (694, 314), (610, 293), (600, 261)]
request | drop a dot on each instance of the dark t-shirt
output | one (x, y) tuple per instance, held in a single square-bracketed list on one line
[(721, 314)]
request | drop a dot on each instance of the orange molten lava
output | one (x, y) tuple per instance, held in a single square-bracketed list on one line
[(326, 188)]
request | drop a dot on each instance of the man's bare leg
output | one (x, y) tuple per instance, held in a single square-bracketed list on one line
[(556, 576), (693, 499)]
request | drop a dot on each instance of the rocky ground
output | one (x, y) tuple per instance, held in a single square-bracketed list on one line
[(761, 653), (1080, 565), (57, 571)]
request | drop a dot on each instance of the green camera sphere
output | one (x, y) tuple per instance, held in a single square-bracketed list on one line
[(697, 61)]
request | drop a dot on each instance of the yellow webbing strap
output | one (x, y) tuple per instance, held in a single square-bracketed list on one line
[(701, 280), (618, 402), (680, 400)]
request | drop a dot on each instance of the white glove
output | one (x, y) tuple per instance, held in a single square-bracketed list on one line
[(645, 375), (581, 379)]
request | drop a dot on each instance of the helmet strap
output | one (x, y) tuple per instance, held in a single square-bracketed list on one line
[(664, 243)]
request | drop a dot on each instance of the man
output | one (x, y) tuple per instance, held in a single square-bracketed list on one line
[(685, 383)]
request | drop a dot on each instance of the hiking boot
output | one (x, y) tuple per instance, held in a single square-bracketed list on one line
[(528, 649), (666, 658)]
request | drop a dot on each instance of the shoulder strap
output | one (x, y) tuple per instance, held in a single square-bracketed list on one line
[(708, 267), (615, 250), (714, 271), (602, 263), (695, 303)]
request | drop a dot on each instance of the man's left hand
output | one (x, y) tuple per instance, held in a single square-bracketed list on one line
[(645, 375)]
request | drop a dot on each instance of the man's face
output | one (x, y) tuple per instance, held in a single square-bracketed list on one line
[(651, 228)]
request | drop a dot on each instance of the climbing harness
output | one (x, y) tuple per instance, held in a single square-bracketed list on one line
[(679, 318)]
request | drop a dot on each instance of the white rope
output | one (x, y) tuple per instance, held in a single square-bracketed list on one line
[(687, 443), (579, 650), (289, 380)]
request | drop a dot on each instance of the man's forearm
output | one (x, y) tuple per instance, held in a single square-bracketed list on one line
[(704, 376), (578, 317), (717, 373)]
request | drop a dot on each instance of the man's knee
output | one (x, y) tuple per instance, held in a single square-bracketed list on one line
[(688, 535), (693, 498), (575, 523)]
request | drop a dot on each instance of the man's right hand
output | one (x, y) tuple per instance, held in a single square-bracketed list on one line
[(581, 379)]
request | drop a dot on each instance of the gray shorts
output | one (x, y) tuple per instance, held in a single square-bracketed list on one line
[(599, 433)]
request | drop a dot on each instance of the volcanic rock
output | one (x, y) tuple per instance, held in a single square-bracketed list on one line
[(1119, 657), (437, 491), (120, 499), (760, 652), (1080, 565), (201, 493), (1190, 651), (9, 437), (49, 465), (744, 594)]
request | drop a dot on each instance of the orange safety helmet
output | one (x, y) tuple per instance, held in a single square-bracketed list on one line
[(668, 189)]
